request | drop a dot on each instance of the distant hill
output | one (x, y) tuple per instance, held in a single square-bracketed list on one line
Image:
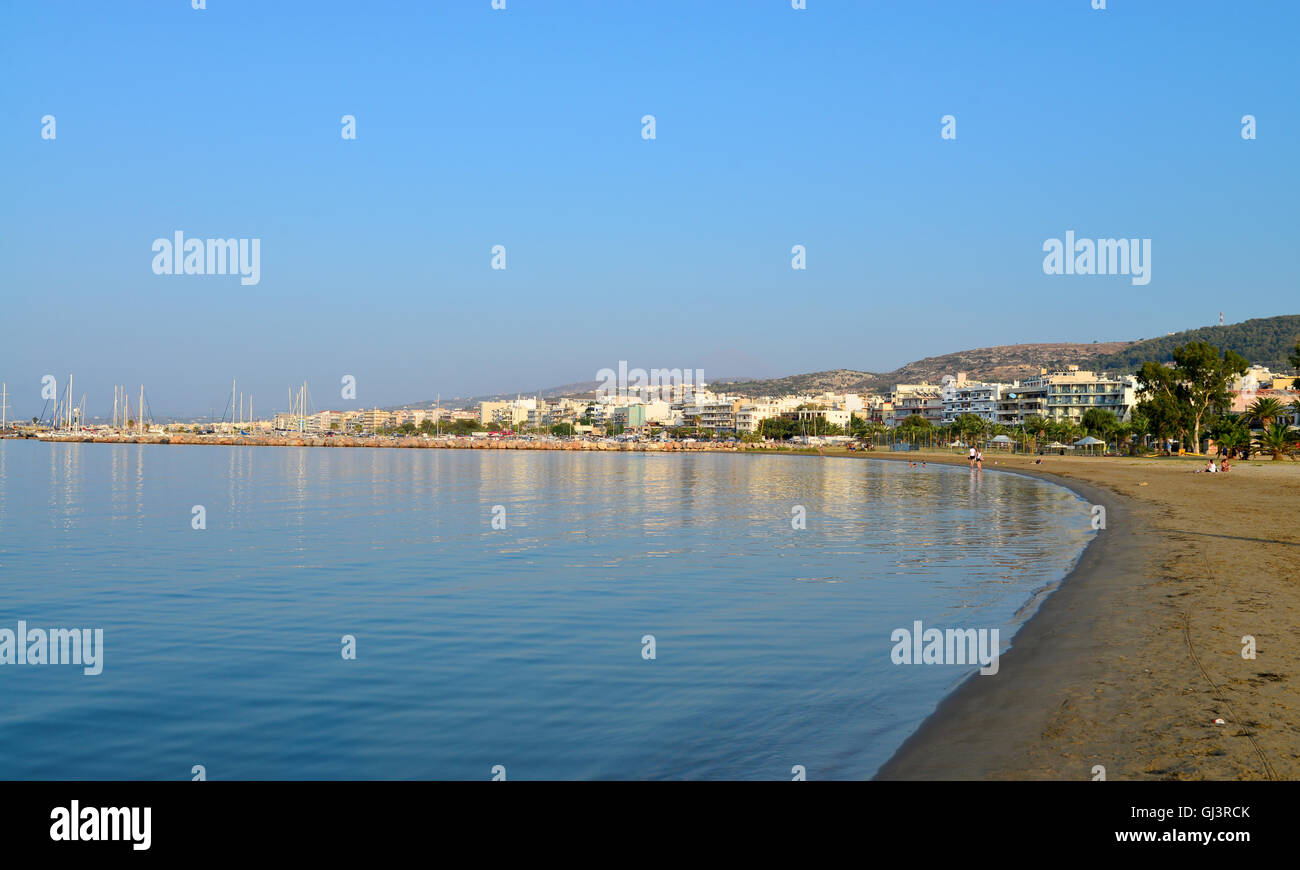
[(1006, 362), (835, 381), (576, 389), (1265, 341)]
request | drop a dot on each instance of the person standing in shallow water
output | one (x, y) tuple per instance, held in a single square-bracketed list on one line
[(979, 460), (971, 456)]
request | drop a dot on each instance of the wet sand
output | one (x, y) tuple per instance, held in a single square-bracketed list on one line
[(1130, 661)]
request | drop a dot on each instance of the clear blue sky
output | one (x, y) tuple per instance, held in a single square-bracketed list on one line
[(522, 128)]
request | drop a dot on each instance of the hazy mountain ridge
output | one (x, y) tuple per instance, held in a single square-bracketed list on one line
[(1263, 341), (1005, 362)]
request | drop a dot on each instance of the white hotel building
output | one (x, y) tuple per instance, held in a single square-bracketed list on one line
[(961, 396)]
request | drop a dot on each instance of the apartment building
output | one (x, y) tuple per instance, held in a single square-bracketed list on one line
[(717, 414), (433, 415), (375, 419), (1065, 395), (506, 415), (961, 396), (907, 400), (751, 415)]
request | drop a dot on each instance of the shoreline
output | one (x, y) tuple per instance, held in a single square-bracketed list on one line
[(975, 730), (1129, 661)]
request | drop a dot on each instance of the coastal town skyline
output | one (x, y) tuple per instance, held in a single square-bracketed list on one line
[(238, 402), (1066, 400)]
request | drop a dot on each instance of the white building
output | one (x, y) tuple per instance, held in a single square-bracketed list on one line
[(960, 396)]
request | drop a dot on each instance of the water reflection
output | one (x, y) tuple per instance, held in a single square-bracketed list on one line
[(773, 640)]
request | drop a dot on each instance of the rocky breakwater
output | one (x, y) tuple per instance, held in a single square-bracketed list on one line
[(411, 442)]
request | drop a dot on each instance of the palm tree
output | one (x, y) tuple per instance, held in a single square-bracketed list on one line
[(1266, 411), (1276, 439), (1231, 432), (1123, 436), (1295, 410)]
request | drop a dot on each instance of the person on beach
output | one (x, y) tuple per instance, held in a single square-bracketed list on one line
[(1226, 466), (979, 460), (971, 456)]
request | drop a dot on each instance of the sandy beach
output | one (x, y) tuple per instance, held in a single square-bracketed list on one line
[(1131, 660)]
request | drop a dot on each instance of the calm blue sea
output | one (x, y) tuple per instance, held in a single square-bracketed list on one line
[(477, 647)]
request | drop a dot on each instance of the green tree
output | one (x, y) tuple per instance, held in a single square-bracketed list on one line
[(1123, 434), (780, 428), (1266, 411), (1164, 403), (1099, 423), (970, 427), (1036, 426), (562, 430), (1205, 376), (1277, 439), (1231, 433), (463, 427)]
